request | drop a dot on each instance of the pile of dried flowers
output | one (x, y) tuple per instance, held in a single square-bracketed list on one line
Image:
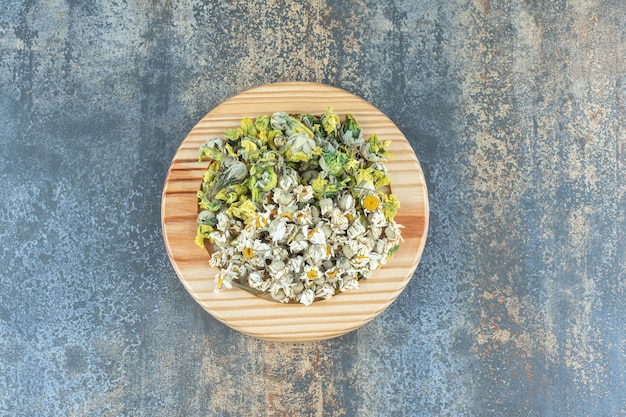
[(296, 206)]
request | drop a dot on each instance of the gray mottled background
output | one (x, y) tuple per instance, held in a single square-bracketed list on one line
[(516, 111)]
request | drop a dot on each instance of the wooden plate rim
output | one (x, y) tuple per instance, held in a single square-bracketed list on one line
[(245, 312)]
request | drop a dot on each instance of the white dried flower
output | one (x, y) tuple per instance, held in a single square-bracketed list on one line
[(325, 291), (377, 219), (360, 261), (345, 201), (277, 269), (343, 264), (295, 264), (367, 244), (289, 179), (304, 193), (391, 232), (365, 273), (338, 220), (279, 253), (312, 273), (356, 229), (224, 279), (299, 244), (348, 283), (218, 238), (376, 260), (316, 254), (381, 246), (374, 232), (277, 230), (303, 216), (255, 280), (307, 296), (278, 294), (332, 274), (283, 197), (326, 206), (316, 236), (297, 288), (326, 228)]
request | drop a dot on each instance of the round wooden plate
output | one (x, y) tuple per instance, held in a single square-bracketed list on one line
[(267, 319)]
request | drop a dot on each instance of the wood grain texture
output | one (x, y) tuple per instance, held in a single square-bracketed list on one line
[(270, 320)]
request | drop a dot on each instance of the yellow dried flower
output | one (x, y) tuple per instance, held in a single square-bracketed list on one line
[(371, 202)]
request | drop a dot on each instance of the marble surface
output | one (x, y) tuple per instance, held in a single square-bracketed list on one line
[(516, 111)]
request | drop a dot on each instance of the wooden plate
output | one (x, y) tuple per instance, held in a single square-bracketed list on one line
[(266, 319)]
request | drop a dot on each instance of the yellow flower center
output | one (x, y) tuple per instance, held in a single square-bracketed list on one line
[(261, 222), (248, 252), (332, 273), (371, 202), (312, 274)]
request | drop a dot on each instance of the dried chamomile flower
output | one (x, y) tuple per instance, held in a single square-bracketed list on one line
[(295, 207)]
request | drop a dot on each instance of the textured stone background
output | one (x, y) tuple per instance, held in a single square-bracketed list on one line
[(516, 111)]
